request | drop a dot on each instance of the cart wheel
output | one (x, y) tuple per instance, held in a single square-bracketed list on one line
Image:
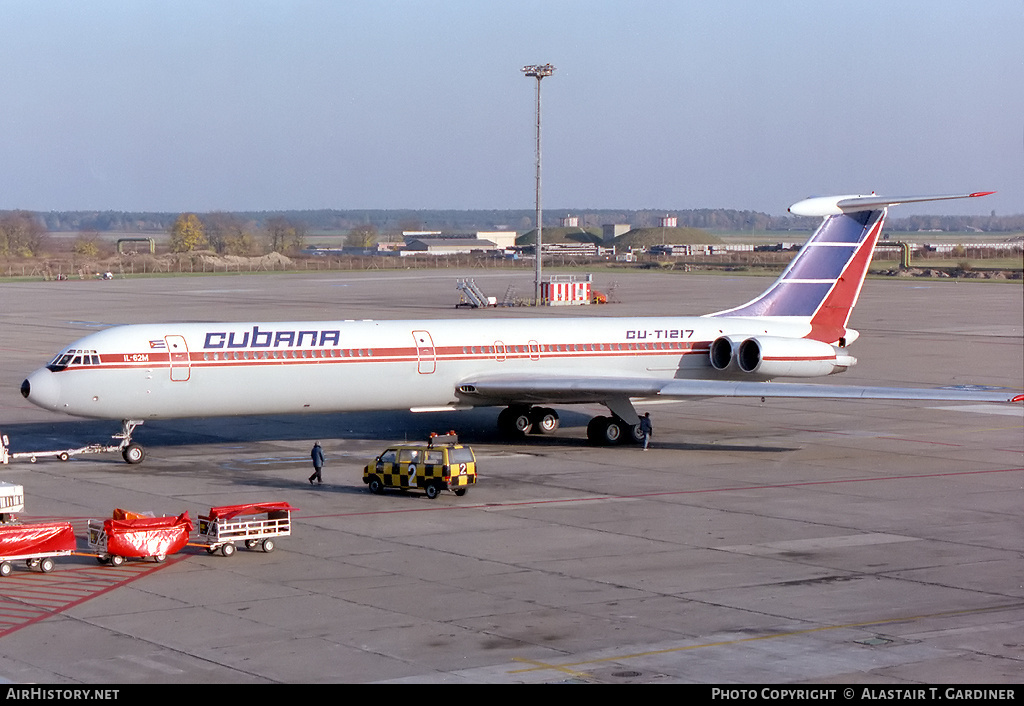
[(46, 565), (116, 560), (64, 456), (31, 563), (251, 543), (211, 550), (160, 558), (460, 492), (102, 559), (433, 491), (268, 545), (228, 549), (6, 568)]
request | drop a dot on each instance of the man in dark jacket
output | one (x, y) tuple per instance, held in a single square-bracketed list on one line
[(646, 428), (318, 461)]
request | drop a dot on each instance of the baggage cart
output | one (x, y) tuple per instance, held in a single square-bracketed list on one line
[(255, 524), (12, 501), (36, 544), (128, 535)]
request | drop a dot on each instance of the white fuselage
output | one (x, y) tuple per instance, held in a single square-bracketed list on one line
[(187, 370)]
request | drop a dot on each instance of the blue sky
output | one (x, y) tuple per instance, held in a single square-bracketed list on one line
[(200, 106)]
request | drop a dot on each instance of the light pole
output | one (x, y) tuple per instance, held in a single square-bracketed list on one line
[(538, 71)]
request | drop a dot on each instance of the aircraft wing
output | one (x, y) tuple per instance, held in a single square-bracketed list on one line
[(578, 390)]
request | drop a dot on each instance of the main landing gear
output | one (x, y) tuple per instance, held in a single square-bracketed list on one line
[(608, 431), (515, 422)]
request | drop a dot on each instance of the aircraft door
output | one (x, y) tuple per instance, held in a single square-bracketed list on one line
[(426, 355), (177, 355)]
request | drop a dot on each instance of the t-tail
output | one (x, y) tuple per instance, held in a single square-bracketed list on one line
[(821, 285)]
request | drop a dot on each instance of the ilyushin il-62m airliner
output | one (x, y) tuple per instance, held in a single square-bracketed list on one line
[(796, 329)]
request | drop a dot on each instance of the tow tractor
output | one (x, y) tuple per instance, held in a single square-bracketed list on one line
[(131, 452)]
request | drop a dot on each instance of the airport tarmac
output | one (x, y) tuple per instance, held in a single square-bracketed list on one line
[(790, 541)]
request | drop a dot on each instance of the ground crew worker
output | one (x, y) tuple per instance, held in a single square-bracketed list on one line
[(317, 455), (646, 428)]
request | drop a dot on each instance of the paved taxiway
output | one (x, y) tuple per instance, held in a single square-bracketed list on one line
[(790, 541)]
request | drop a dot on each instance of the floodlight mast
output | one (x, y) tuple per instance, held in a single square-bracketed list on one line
[(538, 71)]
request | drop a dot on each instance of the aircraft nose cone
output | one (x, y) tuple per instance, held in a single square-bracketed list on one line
[(41, 388)]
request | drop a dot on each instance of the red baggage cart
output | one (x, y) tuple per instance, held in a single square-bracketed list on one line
[(35, 543), (256, 524), (115, 540)]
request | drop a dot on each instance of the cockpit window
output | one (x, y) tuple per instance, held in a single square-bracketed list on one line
[(73, 358)]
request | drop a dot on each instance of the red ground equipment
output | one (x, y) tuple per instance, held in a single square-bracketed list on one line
[(136, 536), (257, 524), (36, 544)]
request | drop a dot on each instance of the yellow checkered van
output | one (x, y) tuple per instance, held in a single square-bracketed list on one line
[(440, 464)]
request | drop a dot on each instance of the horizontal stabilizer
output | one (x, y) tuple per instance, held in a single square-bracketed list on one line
[(835, 205)]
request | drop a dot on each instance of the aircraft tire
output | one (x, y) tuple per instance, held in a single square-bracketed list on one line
[(545, 420), (133, 454), (606, 431), (514, 422)]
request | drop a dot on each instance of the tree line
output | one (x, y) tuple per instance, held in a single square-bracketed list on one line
[(23, 233), (396, 220)]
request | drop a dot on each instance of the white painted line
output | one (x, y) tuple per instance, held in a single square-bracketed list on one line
[(1008, 410)]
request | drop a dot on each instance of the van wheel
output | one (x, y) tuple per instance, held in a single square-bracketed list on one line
[(375, 485), (433, 491), (460, 492)]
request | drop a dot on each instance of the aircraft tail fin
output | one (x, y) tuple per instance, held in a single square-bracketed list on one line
[(822, 283)]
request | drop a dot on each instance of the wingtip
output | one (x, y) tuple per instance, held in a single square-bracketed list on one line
[(980, 193)]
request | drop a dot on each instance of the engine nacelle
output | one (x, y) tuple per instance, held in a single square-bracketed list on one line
[(723, 352), (773, 356)]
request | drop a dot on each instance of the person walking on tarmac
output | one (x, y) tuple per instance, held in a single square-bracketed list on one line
[(317, 455), (646, 428)]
